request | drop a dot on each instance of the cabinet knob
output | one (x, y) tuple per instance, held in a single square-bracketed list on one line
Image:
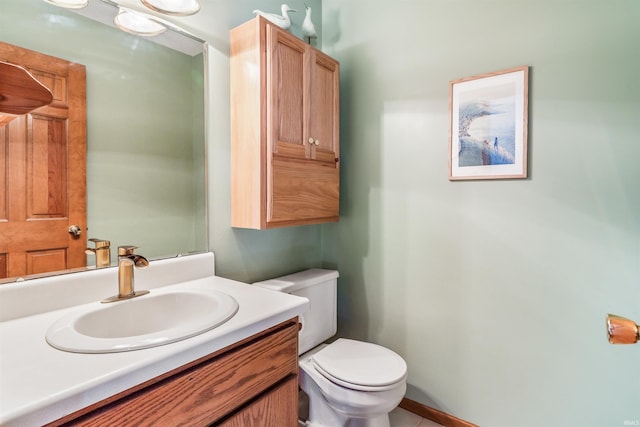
[(317, 142), (310, 140)]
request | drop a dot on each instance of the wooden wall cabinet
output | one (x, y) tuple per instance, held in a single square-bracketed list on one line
[(253, 383), (285, 150)]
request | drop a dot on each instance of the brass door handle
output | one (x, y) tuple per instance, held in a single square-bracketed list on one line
[(621, 330), (75, 231)]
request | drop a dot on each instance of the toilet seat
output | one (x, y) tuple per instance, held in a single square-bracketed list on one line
[(360, 365)]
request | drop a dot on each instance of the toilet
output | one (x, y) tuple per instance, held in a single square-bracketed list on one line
[(349, 383)]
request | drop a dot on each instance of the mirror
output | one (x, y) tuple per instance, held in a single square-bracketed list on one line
[(145, 124)]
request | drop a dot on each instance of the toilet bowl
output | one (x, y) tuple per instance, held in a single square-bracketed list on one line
[(341, 393), (348, 382)]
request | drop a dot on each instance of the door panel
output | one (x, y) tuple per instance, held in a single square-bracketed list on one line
[(304, 191), (286, 92), (323, 122), (4, 168), (46, 168), (46, 260), (3, 265), (44, 180)]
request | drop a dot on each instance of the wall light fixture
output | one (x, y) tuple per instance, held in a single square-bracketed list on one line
[(69, 4), (173, 7), (138, 23)]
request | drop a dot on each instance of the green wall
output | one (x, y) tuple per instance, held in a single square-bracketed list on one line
[(495, 292)]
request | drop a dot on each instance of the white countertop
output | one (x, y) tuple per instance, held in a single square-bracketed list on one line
[(39, 384)]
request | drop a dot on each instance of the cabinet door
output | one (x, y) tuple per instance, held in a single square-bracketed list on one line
[(302, 121), (303, 92), (277, 408), (263, 368), (324, 108), (303, 192), (288, 80)]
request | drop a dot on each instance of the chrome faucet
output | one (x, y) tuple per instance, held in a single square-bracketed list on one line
[(126, 261)]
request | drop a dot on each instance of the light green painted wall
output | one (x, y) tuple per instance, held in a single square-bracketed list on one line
[(495, 292)]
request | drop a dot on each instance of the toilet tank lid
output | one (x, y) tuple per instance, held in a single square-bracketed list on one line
[(299, 280)]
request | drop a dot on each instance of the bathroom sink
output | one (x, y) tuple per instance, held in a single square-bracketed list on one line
[(158, 318)]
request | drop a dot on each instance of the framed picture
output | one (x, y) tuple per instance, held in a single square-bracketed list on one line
[(488, 125)]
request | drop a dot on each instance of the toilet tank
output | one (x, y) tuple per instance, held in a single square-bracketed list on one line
[(319, 286)]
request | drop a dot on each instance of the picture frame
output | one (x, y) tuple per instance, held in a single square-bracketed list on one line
[(488, 120)]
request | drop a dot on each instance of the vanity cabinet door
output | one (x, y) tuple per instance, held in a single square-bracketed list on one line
[(271, 409), (211, 390), (284, 129)]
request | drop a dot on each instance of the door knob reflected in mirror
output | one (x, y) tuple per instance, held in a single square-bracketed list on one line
[(75, 231), (621, 330)]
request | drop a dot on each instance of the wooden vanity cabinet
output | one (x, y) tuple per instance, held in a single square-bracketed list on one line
[(285, 150), (253, 383)]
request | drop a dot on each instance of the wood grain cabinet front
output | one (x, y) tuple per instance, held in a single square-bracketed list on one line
[(250, 384), (285, 150)]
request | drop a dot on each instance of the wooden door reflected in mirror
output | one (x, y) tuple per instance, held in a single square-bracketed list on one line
[(43, 172)]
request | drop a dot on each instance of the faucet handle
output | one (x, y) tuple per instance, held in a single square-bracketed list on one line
[(100, 243), (126, 250)]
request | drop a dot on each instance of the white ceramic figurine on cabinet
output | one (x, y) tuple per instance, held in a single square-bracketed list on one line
[(308, 29), (283, 21)]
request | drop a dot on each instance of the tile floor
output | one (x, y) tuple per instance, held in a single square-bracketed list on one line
[(401, 418)]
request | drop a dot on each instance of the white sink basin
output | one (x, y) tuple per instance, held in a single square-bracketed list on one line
[(158, 318)]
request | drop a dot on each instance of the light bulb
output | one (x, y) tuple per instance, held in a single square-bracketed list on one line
[(173, 7), (137, 23), (69, 4)]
